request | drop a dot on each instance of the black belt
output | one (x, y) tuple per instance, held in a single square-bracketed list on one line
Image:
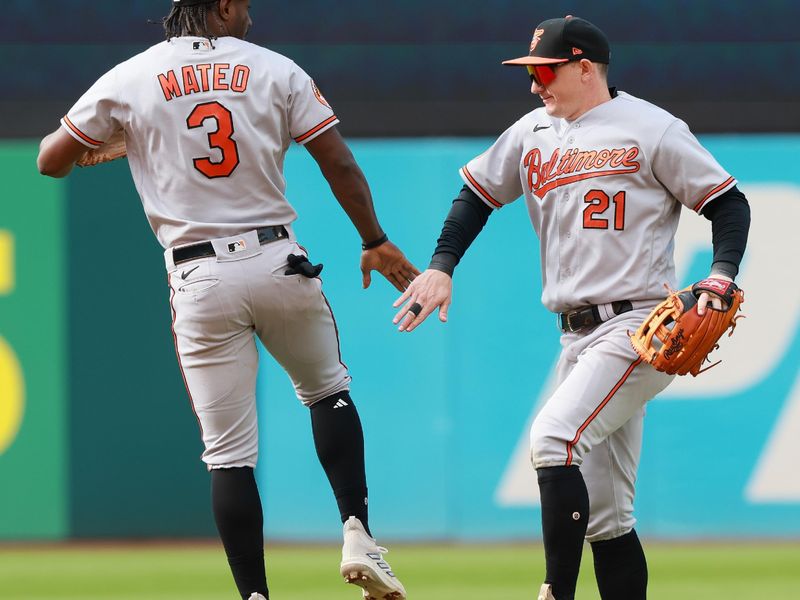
[(204, 249), (589, 316)]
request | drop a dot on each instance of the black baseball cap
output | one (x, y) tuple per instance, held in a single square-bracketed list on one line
[(562, 40)]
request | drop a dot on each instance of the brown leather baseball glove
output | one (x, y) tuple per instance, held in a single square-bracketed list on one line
[(113, 148), (677, 340)]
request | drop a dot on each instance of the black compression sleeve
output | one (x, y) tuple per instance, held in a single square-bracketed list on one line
[(464, 222), (730, 222)]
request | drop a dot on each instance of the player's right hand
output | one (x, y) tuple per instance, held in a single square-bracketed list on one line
[(390, 262), (433, 289)]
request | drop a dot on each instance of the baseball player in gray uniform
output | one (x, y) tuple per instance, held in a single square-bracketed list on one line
[(605, 177), (207, 120)]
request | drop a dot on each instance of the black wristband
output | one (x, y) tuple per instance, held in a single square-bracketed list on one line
[(375, 243), (724, 268), (444, 262)]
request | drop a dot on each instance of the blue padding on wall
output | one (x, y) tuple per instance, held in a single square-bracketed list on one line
[(444, 408)]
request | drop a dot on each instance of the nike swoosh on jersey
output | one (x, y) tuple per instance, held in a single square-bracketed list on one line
[(185, 274), (540, 127)]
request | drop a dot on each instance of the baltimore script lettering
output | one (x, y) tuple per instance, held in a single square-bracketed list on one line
[(576, 165)]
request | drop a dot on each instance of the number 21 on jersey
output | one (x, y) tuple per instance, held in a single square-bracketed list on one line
[(220, 139), (597, 203)]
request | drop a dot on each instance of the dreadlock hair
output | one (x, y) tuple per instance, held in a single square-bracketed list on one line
[(188, 20)]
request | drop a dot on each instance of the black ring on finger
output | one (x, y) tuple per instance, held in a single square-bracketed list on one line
[(415, 309)]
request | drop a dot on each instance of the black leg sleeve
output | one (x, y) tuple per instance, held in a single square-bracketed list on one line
[(565, 515), (339, 441), (240, 522), (620, 568)]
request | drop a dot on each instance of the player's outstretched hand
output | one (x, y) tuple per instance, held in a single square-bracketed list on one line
[(433, 289), (390, 262)]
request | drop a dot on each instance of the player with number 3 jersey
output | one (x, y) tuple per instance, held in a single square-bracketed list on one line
[(207, 119), (224, 110)]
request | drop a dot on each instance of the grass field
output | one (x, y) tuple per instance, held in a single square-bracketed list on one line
[(492, 572)]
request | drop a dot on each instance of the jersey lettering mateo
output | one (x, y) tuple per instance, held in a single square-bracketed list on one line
[(604, 199), (204, 77), (217, 115)]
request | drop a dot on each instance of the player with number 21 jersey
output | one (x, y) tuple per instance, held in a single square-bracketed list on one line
[(590, 174)]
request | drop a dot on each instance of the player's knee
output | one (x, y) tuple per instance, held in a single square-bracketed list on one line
[(215, 461), (550, 446), (602, 531), (318, 390), (231, 447), (609, 524), (339, 401)]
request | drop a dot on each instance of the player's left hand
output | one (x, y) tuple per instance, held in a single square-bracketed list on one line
[(112, 149), (705, 298), (390, 262)]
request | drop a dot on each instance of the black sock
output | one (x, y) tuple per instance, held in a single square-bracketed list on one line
[(240, 522), (339, 441), (565, 515), (620, 568)]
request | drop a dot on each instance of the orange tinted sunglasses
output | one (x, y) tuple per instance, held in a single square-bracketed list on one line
[(542, 74)]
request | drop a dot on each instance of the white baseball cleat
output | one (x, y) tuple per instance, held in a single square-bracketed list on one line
[(256, 596), (363, 565), (546, 593)]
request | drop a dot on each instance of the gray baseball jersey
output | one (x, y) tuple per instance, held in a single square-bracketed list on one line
[(207, 126), (604, 194), (202, 169)]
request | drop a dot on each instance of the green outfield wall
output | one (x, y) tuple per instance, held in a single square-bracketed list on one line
[(34, 451), (135, 444), (97, 438)]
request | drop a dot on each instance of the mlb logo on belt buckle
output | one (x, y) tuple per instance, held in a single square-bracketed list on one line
[(236, 246)]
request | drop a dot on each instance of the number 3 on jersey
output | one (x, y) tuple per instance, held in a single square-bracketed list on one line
[(597, 203), (220, 139)]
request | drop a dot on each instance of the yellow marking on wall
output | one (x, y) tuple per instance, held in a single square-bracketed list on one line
[(6, 263), (12, 396)]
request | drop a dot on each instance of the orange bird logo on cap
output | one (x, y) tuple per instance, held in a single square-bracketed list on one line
[(537, 35)]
